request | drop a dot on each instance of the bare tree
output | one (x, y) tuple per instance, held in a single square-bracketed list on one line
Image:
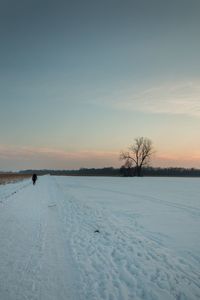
[(139, 154)]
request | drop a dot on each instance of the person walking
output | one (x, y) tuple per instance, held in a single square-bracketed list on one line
[(34, 178)]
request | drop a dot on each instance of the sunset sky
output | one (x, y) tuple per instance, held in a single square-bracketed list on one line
[(79, 80)]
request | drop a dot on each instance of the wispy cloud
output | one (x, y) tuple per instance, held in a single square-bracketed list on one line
[(43, 157), (177, 98), (189, 160), (13, 157)]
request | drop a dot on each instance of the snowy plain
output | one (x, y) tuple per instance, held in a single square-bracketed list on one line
[(86, 238)]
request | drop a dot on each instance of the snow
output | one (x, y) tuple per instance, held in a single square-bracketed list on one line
[(100, 238)]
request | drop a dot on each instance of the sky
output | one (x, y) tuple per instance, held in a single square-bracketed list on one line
[(79, 80)]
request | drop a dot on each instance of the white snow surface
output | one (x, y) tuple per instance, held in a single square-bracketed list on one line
[(86, 238)]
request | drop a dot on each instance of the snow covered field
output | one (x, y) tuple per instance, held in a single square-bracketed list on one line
[(100, 238)]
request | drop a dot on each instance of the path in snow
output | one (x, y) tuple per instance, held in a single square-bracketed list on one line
[(50, 250), (35, 259)]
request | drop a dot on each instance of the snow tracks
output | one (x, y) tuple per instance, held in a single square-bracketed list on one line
[(55, 245), (116, 261), (35, 261)]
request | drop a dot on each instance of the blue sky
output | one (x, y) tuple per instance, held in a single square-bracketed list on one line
[(79, 80)]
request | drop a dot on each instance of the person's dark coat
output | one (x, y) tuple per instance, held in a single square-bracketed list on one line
[(34, 178)]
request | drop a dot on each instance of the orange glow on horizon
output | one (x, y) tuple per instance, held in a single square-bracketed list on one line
[(59, 158)]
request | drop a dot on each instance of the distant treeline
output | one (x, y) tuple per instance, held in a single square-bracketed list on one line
[(127, 172), (180, 172)]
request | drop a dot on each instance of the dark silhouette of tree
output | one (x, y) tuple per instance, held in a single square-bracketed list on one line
[(139, 154), (127, 169)]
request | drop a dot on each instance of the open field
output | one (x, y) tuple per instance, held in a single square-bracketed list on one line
[(12, 177), (102, 238)]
